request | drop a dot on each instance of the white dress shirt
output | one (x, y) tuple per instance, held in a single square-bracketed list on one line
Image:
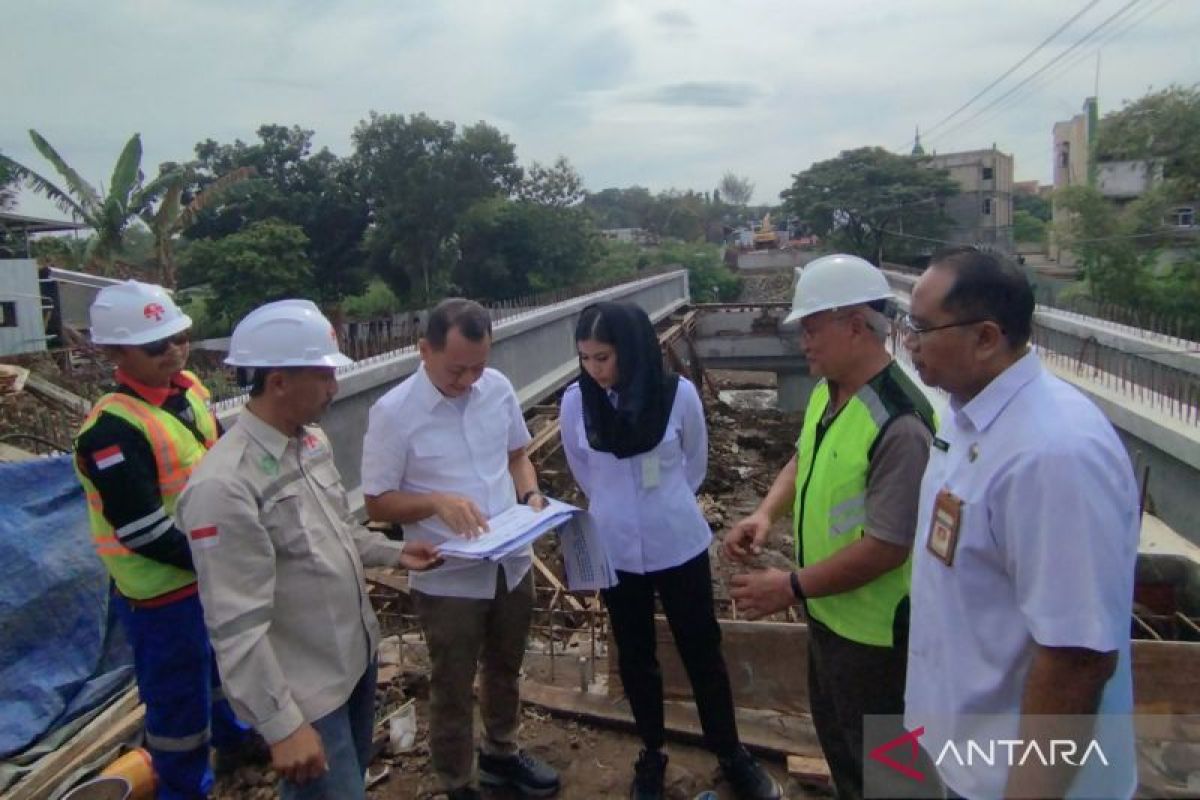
[(1046, 552), (648, 522), (420, 441)]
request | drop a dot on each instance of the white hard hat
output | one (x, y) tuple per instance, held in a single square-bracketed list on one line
[(836, 281), (286, 333), (135, 313)]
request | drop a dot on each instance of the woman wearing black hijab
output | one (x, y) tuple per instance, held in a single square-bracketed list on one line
[(636, 442)]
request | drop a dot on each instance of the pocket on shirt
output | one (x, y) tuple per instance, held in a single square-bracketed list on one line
[(283, 517), (326, 476)]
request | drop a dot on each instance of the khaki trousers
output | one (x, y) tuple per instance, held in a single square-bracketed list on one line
[(463, 634)]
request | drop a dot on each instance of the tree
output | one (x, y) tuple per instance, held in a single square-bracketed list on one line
[(420, 176), (735, 190), (872, 202), (558, 185), (315, 191), (620, 208), (1163, 125), (109, 216), (510, 248), (266, 261), (1034, 205), (1028, 228)]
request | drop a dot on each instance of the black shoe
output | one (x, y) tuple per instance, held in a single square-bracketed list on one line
[(529, 775), (648, 774), (748, 778), (464, 793)]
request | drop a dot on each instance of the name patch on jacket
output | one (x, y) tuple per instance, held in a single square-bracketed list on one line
[(108, 457), (207, 536)]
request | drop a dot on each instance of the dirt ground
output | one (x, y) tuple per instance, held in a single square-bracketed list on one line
[(747, 446)]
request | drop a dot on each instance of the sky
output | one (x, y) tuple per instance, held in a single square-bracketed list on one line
[(657, 94)]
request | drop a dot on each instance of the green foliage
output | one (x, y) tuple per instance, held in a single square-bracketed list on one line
[(421, 176), (688, 215), (511, 248), (855, 200), (109, 216), (265, 261), (377, 301), (1162, 125), (709, 280), (1034, 205), (620, 208), (1028, 228), (620, 260), (558, 185), (317, 192)]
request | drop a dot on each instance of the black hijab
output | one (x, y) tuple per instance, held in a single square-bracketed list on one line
[(645, 391)]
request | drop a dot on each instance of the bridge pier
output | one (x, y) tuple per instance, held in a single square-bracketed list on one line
[(793, 389)]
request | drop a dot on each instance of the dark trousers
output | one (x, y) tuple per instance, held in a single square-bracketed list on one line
[(687, 599), (178, 681), (847, 680)]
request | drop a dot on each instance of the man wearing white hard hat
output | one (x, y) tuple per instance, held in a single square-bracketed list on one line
[(133, 454), (280, 558), (852, 489)]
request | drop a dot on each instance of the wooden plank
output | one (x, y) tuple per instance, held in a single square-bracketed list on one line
[(122, 718), (808, 769), (388, 580), (39, 386), (767, 663), (1166, 677), (549, 575), (768, 734)]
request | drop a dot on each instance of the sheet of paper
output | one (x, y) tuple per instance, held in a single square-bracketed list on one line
[(510, 531), (585, 559)]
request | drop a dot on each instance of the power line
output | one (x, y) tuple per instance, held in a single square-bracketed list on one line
[(1054, 75), (1014, 67), (1108, 21)]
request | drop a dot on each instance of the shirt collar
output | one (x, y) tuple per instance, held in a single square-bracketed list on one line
[(268, 437), (155, 395), (429, 395), (982, 409)]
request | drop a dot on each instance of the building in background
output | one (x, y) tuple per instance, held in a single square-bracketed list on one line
[(982, 211)]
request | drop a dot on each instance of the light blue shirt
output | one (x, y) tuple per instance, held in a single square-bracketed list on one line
[(647, 521), (1046, 552)]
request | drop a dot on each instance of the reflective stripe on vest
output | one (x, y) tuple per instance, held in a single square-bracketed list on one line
[(830, 511), (176, 453)]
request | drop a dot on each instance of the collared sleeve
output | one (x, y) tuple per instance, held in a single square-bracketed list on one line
[(235, 562), (385, 452), (894, 480), (694, 433), (374, 548), (1065, 518), (570, 417)]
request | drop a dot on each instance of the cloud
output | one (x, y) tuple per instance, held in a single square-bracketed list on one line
[(705, 94), (675, 19)]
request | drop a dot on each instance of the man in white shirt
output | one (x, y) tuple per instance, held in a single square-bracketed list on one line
[(1027, 532), (444, 452)]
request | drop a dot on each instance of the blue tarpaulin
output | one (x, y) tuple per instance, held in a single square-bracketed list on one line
[(62, 653)]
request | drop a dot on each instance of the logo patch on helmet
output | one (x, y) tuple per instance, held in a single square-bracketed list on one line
[(154, 311)]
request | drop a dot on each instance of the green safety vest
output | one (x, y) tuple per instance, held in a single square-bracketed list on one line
[(830, 509), (176, 453)]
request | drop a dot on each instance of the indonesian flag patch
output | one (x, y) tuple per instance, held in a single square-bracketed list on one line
[(108, 457), (207, 536)]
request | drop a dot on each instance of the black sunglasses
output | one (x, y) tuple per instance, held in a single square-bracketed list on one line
[(157, 348)]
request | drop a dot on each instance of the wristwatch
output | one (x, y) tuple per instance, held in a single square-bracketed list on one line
[(525, 497), (797, 589)]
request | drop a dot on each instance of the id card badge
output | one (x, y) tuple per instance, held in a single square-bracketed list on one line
[(650, 471), (944, 527)]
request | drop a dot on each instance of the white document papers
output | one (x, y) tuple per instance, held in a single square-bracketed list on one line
[(584, 557), (511, 531)]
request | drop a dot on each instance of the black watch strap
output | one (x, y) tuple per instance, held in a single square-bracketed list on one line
[(797, 589), (525, 497)]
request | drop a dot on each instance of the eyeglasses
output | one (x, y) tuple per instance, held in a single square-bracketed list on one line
[(157, 348), (909, 327)]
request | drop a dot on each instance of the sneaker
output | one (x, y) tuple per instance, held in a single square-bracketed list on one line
[(531, 776), (648, 774), (748, 778), (464, 793)]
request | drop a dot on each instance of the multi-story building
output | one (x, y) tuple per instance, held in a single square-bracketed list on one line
[(983, 209)]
